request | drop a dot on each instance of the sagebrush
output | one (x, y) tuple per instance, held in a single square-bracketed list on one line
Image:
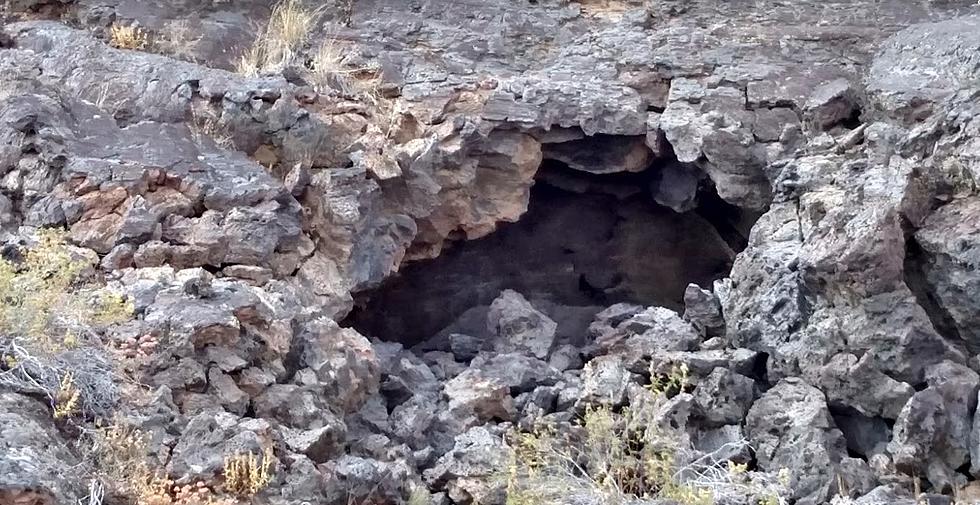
[(623, 455), (51, 311)]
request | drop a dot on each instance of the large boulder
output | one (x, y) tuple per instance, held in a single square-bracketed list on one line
[(950, 242), (466, 472), (36, 465), (790, 428), (519, 326), (932, 433), (922, 65), (210, 438)]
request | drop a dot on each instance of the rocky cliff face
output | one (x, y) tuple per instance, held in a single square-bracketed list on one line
[(496, 213)]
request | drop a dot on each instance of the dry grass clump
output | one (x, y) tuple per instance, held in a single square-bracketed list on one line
[(246, 475), (326, 69), (279, 42), (66, 399), (614, 457), (127, 37), (49, 314)]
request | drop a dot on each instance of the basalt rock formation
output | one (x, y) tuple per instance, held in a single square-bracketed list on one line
[(538, 206)]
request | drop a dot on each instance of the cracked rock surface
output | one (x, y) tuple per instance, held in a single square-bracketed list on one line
[(812, 168)]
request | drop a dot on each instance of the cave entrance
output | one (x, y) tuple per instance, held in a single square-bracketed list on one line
[(586, 241)]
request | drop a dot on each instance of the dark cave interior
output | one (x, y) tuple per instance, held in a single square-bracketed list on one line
[(586, 241)]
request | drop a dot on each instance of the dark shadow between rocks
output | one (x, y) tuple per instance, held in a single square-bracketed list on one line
[(587, 241), (915, 279)]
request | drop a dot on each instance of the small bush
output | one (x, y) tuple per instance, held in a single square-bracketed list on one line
[(66, 400), (45, 299), (49, 316), (325, 69), (246, 475), (127, 37), (613, 457), (279, 42)]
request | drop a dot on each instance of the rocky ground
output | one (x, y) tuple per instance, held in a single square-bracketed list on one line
[(315, 255)]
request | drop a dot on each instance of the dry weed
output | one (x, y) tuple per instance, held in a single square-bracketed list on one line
[(279, 42), (623, 456), (246, 475), (127, 37)]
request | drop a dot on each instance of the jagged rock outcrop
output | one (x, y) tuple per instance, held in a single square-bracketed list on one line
[(241, 216), (36, 466)]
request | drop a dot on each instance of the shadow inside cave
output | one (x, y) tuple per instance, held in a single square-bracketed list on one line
[(586, 241)]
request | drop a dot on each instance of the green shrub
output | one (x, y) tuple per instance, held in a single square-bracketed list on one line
[(49, 316)]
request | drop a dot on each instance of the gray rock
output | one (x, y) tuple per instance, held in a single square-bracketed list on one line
[(121, 257), (655, 329), (605, 381), (830, 104), (209, 438), (227, 392), (194, 323), (856, 383), (724, 397), (472, 395), (303, 482), (675, 412), (677, 187), (294, 406), (602, 154), (520, 373), (790, 427), (949, 239), (254, 380), (932, 433), (887, 495), (343, 360), (565, 357), (703, 309), (712, 128), (410, 421), (914, 73), (463, 472), (701, 363), (725, 443), (464, 347), (35, 464), (186, 374), (519, 326), (320, 444), (443, 364), (357, 479)]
